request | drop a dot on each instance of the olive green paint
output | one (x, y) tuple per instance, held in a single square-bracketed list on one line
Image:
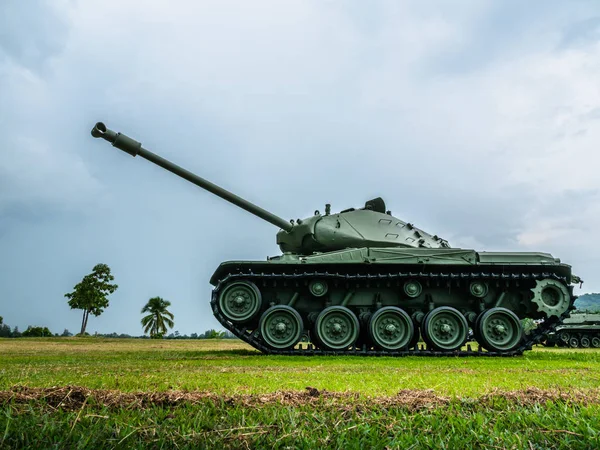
[(320, 289)]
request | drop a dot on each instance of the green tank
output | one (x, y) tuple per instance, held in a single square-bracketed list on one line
[(363, 282), (582, 329)]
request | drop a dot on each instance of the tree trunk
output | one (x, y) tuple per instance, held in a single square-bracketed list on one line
[(86, 314), (83, 323)]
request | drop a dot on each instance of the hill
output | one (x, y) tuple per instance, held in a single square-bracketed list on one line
[(588, 301)]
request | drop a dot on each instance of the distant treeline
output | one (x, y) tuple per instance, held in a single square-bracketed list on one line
[(209, 334), (31, 331), (6, 331)]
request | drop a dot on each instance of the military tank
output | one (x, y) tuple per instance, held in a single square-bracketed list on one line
[(363, 282), (581, 329)]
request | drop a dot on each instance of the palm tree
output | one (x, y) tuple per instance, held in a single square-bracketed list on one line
[(159, 318)]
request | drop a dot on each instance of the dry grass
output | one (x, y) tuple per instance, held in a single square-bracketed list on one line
[(75, 397), (29, 346)]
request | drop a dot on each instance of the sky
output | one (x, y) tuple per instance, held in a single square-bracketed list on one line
[(478, 121)]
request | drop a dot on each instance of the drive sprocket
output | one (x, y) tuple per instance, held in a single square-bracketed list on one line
[(551, 297)]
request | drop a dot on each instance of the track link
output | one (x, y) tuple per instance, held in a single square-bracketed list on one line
[(252, 337)]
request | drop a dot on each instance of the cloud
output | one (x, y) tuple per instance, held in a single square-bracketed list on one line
[(32, 34), (38, 176), (581, 33), (476, 121), (38, 173)]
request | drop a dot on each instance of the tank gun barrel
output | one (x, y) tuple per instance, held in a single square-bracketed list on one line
[(134, 148)]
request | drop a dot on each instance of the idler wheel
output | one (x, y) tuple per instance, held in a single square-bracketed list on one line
[(585, 342), (337, 328), (281, 327), (391, 328), (596, 342), (240, 301), (499, 329), (445, 328)]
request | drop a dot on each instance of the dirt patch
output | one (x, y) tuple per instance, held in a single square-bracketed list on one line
[(76, 397), (532, 396)]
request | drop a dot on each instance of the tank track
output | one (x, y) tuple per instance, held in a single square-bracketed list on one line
[(252, 337)]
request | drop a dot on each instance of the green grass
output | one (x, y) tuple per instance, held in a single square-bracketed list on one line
[(220, 425), (242, 411), (201, 365)]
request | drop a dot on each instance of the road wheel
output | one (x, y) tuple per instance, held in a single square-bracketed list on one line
[(445, 328), (564, 337), (390, 328), (281, 327), (500, 330), (337, 328)]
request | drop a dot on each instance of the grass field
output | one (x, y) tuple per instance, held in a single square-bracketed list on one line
[(91, 393)]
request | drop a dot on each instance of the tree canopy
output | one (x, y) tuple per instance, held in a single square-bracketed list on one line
[(214, 334), (159, 317), (91, 294), (36, 332)]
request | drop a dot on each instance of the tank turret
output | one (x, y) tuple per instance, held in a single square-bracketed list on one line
[(370, 226)]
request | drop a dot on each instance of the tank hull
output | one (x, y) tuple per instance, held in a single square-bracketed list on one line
[(581, 330), (389, 298)]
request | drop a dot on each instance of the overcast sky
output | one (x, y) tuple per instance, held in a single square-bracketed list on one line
[(476, 120)]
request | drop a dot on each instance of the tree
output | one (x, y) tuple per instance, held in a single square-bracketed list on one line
[(36, 332), (91, 293), (4, 329), (159, 318), (214, 334), (528, 325)]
